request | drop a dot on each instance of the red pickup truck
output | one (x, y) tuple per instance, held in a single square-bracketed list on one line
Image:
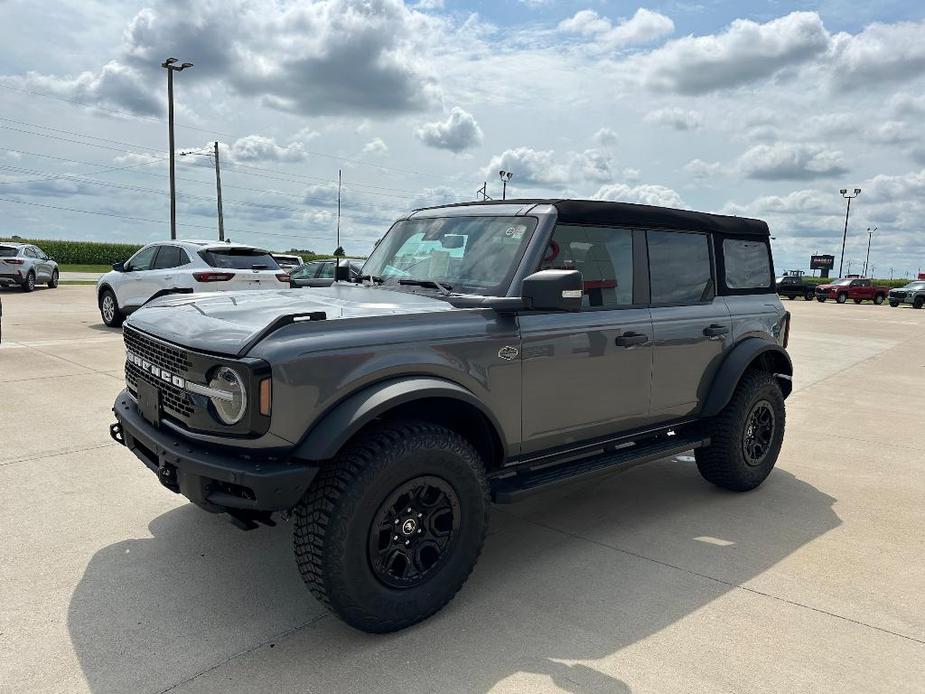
[(857, 289)]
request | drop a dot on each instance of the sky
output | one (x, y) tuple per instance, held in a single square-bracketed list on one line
[(759, 109)]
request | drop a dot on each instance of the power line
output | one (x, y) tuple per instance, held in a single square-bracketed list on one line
[(148, 219)]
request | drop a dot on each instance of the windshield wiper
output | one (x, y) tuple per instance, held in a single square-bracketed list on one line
[(444, 289)]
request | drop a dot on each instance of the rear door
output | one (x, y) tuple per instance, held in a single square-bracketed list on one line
[(691, 324), (587, 374), (166, 274), (43, 264)]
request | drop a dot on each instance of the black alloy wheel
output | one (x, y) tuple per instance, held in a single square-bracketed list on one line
[(759, 433), (413, 532)]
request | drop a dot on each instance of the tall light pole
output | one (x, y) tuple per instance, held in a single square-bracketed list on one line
[(870, 235), (505, 177), (171, 67), (849, 197), (218, 185)]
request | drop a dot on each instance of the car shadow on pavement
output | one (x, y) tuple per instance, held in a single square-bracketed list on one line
[(576, 574)]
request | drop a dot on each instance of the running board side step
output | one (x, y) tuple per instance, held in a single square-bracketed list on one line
[(505, 490)]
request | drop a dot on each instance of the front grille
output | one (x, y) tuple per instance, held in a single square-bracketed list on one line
[(174, 400), (898, 295)]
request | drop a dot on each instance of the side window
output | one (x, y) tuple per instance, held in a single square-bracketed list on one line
[(748, 264), (679, 267), (39, 253), (30, 252), (603, 255), (327, 271), (142, 259), (168, 257)]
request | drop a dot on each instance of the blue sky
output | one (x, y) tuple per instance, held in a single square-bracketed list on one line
[(762, 109)]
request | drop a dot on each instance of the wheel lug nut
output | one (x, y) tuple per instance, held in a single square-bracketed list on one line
[(420, 531), (420, 514), (395, 538), (396, 521), (409, 510), (407, 542)]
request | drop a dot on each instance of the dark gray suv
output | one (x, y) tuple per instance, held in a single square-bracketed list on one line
[(488, 351)]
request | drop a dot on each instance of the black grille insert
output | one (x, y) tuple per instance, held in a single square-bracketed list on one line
[(174, 400)]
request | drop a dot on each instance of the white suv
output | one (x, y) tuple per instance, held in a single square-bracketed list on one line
[(184, 267)]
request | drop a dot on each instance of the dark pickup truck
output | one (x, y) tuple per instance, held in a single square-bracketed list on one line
[(792, 286)]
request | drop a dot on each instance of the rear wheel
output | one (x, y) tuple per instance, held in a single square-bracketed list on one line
[(841, 298), (808, 296), (109, 309), (28, 284), (389, 532), (745, 438), (878, 299), (53, 282), (857, 301)]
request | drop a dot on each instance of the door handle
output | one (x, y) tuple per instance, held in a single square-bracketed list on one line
[(630, 339), (716, 330)]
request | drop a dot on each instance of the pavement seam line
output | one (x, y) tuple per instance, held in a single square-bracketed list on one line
[(74, 363), (54, 454), (246, 651), (730, 584)]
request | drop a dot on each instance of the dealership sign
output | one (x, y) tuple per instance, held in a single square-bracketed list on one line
[(821, 262)]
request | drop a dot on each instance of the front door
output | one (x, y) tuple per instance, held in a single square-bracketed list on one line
[(587, 374), (692, 325)]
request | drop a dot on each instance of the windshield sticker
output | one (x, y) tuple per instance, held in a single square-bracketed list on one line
[(515, 232)]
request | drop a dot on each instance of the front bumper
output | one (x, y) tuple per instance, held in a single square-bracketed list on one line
[(217, 479)]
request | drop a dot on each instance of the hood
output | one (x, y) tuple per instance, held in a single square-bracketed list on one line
[(227, 322)]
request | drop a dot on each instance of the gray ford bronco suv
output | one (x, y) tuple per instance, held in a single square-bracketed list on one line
[(488, 351)]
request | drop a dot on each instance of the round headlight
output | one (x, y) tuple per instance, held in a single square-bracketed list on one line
[(232, 403)]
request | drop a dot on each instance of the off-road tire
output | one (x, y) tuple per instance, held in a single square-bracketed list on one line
[(53, 282), (918, 302), (878, 299), (333, 523), (723, 462), (841, 298), (28, 284), (894, 304), (113, 320)]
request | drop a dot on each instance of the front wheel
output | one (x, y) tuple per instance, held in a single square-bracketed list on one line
[(820, 299), (109, 309), (857, 301), (53, 282), (745, 438), (389, 532), (841, 298), (918, 302), (894, 304), (878, 299)]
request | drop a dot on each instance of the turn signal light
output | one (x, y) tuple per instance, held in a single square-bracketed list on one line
[(213, 276), (266, 396)]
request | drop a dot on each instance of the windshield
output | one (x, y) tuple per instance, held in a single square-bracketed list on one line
[(911, 285), (239, 258), (7, 252), (475, 255), (841, 283)]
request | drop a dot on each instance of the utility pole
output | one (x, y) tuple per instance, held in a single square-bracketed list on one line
[(218, 193), (847, 196), (171, 68), (505, 177), (337, 251), (891, 274), (870, 235)]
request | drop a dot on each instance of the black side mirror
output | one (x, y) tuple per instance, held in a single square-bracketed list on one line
[(553, 290), (118, 267)]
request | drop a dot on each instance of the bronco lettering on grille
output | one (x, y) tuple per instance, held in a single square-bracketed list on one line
[(154, 370)]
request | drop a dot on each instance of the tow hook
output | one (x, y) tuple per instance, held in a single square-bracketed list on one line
[(167, 474), (115, 431)]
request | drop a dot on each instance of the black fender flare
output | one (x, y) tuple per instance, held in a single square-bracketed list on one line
[(339, 424), (741, 356)]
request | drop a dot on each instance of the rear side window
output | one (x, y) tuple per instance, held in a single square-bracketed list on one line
[(170, 256), (7, 252), (679, 267), (240, 258), (748, 264), (327, 271)]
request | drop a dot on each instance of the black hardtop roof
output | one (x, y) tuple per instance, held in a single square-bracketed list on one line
[(629, 214)]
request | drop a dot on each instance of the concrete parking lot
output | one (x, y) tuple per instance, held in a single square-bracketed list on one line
[(647, 581)]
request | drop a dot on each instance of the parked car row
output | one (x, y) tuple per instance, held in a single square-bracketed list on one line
[(856, 289)]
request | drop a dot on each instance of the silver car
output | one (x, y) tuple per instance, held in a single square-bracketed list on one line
[(27, 266)]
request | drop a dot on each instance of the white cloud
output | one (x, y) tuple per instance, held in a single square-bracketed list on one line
[(428, 5), (643, 27), (791, 161), (546, 168), (880, 53), (375, 146), (605, 137), (440, 195), (258, 148), (744, 52), (677, 118), (646, 194), (700, 169), (458, 132)]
